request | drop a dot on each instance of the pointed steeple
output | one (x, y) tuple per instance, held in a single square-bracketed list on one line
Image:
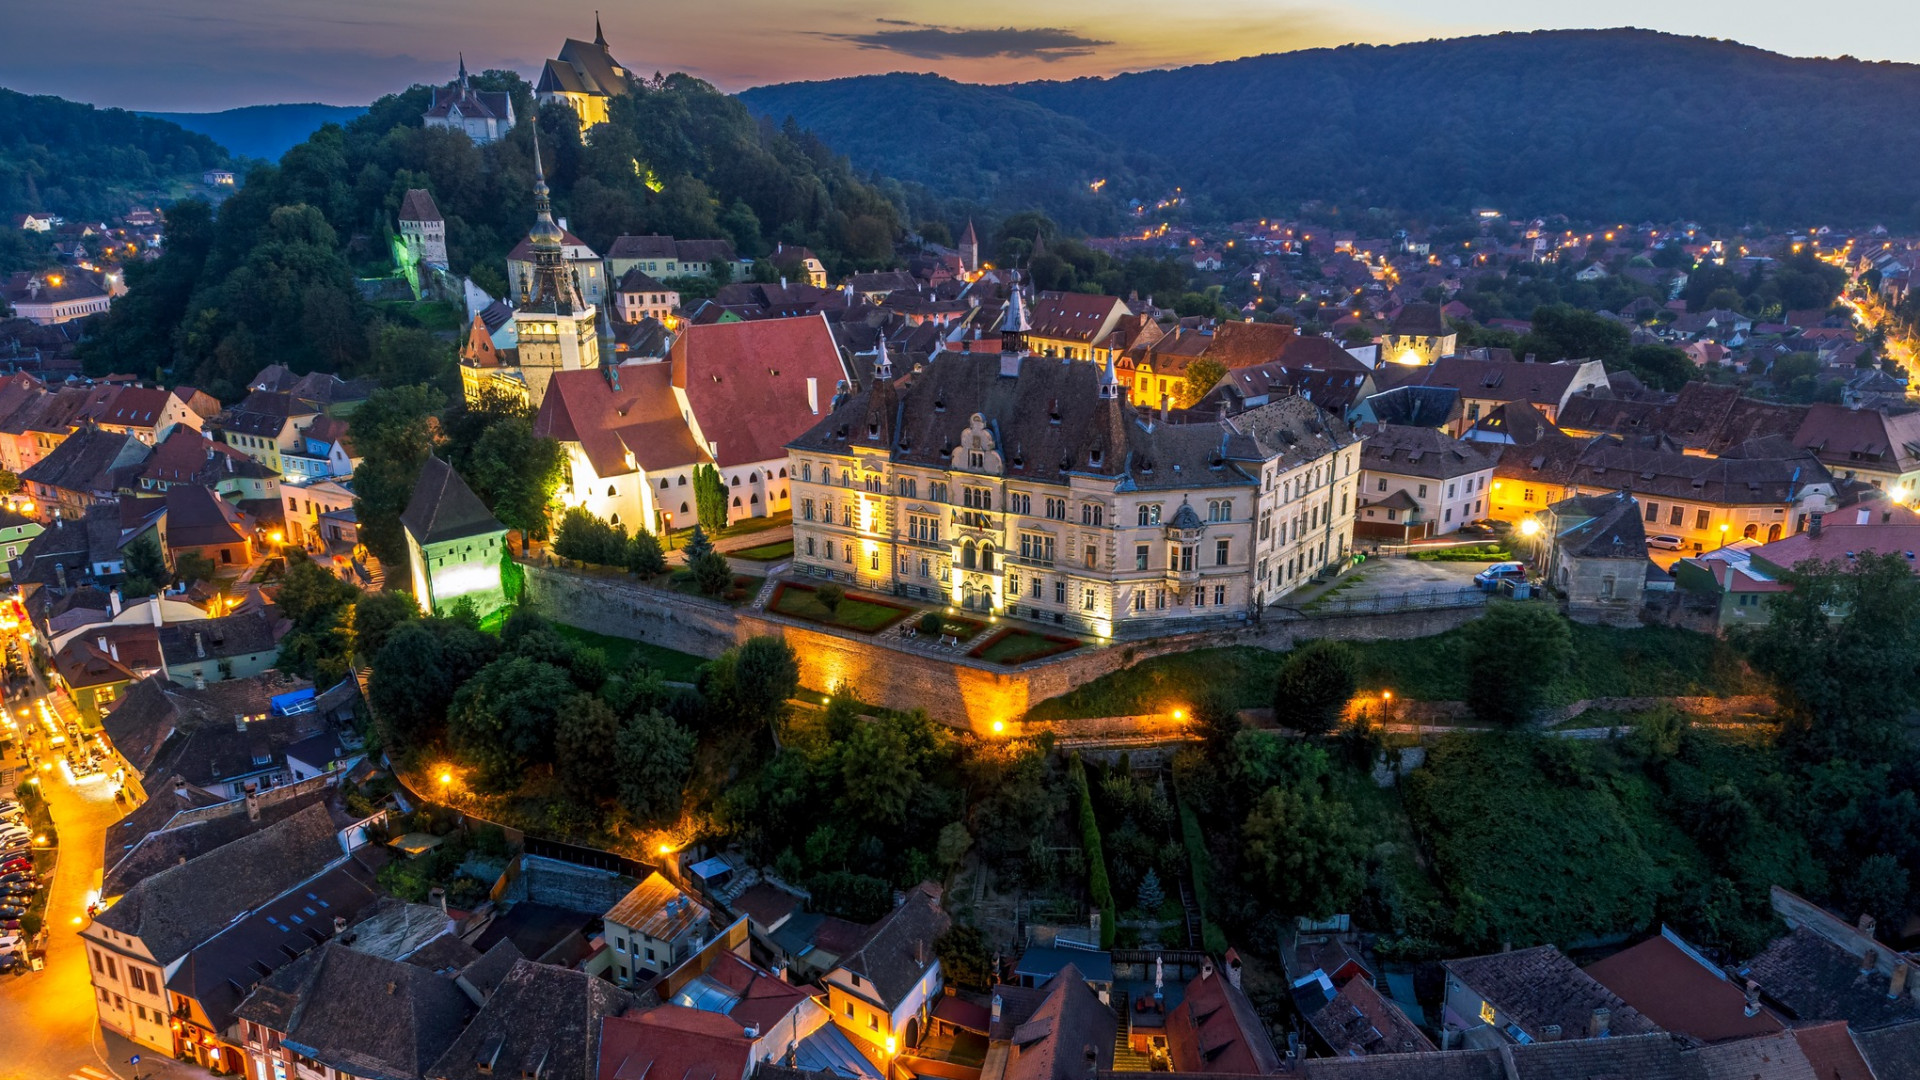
[(463, 74), (553, 286), (1039, 246), (882, 364), (599, 38)]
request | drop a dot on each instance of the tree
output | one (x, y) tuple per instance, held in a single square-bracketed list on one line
[(653, 756), (1880, 887), (1831, 646), (393, 430), (697, 543), (1512, 654), (931, 623), (965, 959), (1661, 367), (710, 498), (1316, 682), (751, 682), (1303, 852), (9, 482), (588, 539), (1151, 894), (415, 674), (878, 774), (829, 596), (711, 573), (146, 568), (1202, 375), (375, 617), (952, 845), (1562, 331), (516, 473), (644, 556), (583, 744), (191, 566), (502, 720), (1216, 721)]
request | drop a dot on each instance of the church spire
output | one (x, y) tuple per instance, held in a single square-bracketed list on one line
[(463, 74), (599, 38), (552, 284)]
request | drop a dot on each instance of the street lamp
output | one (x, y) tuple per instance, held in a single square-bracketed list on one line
[(1723, 534)]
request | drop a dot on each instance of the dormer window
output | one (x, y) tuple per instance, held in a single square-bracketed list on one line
[(1093, 458), (873, 429)]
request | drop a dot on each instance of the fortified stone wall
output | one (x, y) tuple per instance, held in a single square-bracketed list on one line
[(955, 690)]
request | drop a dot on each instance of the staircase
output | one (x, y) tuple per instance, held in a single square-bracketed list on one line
[(1125, 1057), (1192, 909)]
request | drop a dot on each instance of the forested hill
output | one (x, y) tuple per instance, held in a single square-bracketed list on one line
[(272, 278), (1626, 124), (78, 161), (263, 131)]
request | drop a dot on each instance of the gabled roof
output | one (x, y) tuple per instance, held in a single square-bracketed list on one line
[(1814, 979), (184, 905), (900, 949), (1892, 1052), (1074, 316), (538, 1019), (1069, 1033), (747, 383), (1357, 1020), (673, 1041), (1418, 320), (444, 508), (196, 517), (619, 412), (1601, 527), (1407, 450), (1539, 987), (86, 461), (659, 909), (1675, 987), (1215, 1029)]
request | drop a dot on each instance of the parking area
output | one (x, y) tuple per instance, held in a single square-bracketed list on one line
[(1393, 576)]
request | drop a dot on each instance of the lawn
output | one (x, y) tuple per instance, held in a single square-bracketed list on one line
[(773, 552), (1015, 646), (675, 666), (865, 615), (1608, 662), (744, 527)]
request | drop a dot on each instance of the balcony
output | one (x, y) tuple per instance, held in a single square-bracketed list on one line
[(975, 519), (1044, 562)]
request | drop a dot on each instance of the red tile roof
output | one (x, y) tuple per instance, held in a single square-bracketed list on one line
[(1831, 1051), (1681, 993), (640, 417), (746, 384), (1215, 1029), (673, 1043), (1073, 316)]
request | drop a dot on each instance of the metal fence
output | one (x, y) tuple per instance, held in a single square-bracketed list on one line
[(1427, 600)]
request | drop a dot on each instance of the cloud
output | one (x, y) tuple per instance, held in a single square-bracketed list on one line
[(951, 42)]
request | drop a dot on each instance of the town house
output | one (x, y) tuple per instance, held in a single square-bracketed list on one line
[(653, 928), (1417, 482), (880, 995)]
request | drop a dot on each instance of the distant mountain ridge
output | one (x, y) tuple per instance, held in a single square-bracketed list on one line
[(1627, 123), (263, 131), (74, 159)]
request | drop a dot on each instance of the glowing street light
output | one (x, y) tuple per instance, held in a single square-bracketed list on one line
[(1179, 714), (999, 726), (1529, 527)]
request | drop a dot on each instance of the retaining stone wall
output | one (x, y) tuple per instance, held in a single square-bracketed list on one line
[(954, 690)]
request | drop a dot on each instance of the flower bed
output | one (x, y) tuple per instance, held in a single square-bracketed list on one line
[(1016, 646), (860, 613)]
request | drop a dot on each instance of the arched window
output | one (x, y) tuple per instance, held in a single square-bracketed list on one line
[(967, 555), (1773, 532), (683, 481), (665, 483), (755, 500), (610, 491), (783, 493), (736, 500), (806, 471), (1753, 530), (986, 556), (736, 481), (783, 472), (683, 508)]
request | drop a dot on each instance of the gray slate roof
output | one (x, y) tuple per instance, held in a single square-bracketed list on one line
[(1538, 987), (538, 1017), (443, 507)]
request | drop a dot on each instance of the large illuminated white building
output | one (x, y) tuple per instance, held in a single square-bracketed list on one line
[(1028, 486)]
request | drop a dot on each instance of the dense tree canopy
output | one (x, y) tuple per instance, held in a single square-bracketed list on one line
[(82, 162)]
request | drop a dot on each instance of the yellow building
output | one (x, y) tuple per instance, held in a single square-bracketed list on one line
[(1418, 335), (586, 77), (555, 329)]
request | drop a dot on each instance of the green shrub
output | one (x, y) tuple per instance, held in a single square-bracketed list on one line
[(1097, 883)]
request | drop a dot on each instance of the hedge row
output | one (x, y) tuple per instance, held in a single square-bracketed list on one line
[(1212, 937), (1097, 882)]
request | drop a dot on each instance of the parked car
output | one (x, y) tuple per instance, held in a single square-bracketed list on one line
[(1666, 542), (1490, 578)]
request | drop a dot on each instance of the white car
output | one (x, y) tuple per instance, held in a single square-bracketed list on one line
[(1666, 542)]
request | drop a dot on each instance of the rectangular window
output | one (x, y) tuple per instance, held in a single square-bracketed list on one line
[(1677, 515), (1140, 556), (1219, 594), (1450, 488), (1527, 495), (1092, 556), (1087, 601), (1059, 592), (1220, 548), (1701, 519), (1423, 491), (1036, 588), (1383, 484), (1653, 511)]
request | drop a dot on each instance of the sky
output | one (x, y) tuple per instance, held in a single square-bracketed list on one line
[(205, 55)]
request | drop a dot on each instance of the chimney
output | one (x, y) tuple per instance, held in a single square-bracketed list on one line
[(813, 395), (60, 572), (239, 722), (199, 680), (199, 645), (1869, 961), (253, 806), (752, 1031), (159, 620), (1753, 999), (1166, 401), (996, 1008), (919, 953), (780, 970), (1898, 984), (1550, 1033), (1206, 968), (1233, 968), (437, 896), (113, 601), (113, 650), (1866, 925), (339, 924), (1010, 364), (1599, 1022)]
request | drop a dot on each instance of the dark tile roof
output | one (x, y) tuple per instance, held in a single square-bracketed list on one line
[(241, 634), (167, 730), (1539, 987), (1438, 1065), (900, 949), (537, 1017), (1776, 474), (1417, 406), (1893, 1052), (360, 1013), (1068, 1034), (1775, 1056), (486, 973), (196, 517), (417, 204), (86, 461), (1518, 421), (1419, 320), (184, 905), (1650, 1056), (1358, 1020), (1603, 527), (443, 507), (148, 840), (1407, 450), (1814, 979), (219, 972)]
